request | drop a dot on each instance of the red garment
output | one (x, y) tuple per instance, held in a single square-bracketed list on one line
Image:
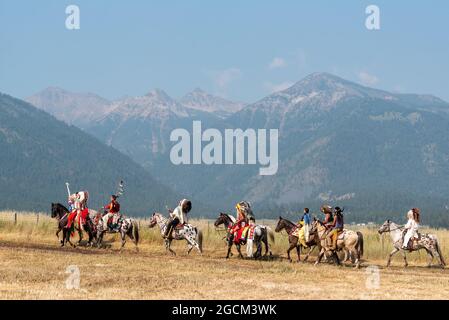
[(83, 216), (72, 216), (237, 229), (113, 207), (81, 219)]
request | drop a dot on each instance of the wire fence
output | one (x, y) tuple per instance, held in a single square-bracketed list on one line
[(15, 217)]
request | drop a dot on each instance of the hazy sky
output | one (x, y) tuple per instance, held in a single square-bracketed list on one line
[(239, 49)]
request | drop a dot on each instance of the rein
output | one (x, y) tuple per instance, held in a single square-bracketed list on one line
[(397, 228), (63, 217)]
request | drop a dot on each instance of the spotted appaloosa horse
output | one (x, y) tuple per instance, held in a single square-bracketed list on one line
[(261, 235), (127, 227), (61, 213), (428, 242), (191, 234)]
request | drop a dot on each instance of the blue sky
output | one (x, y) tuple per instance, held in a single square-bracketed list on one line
[(239, 49)]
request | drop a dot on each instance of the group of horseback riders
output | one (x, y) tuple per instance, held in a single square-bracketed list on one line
[(334, 223), (78, 211), (241, 229)]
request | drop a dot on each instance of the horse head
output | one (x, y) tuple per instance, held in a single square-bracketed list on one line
[(222, 218), (53, 210), (153, 220), (385, 227), (58, 210), (280, 225)]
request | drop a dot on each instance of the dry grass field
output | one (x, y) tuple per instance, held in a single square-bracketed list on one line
[(33, 266)]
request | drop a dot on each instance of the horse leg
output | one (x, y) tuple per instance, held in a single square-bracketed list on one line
[(99, 239), (292, 246), (320, 256), (259, 250), (168, 245), (80, 235), (63, 240), (336, 259), (405, 258), (308, 253), (267, 246), (123, 238), (298, 252), (90, 239), (395, 250), (355, 257), (430, 258), (229, 249), (189, 248), (240, 252)]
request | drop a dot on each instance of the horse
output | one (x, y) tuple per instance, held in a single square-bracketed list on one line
[(191, 234), (289, 227), (261, 235), (347, 240), (62, 214), (127, 227), (428, 242)]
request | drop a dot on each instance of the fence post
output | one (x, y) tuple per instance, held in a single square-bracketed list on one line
[(15, 217), (37, 218)]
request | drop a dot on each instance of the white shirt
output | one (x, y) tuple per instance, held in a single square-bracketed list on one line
[(178, 213)]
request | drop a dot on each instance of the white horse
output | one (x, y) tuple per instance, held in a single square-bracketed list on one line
[(428, 242), (191, 234)]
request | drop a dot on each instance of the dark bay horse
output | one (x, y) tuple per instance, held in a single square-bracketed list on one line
[(261, 235), (61, 213), (289, 227)]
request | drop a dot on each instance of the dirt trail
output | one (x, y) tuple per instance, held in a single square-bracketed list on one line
[(37, 270)]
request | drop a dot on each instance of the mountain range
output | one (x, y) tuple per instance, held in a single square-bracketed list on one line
[(376, 152), (40, 153)]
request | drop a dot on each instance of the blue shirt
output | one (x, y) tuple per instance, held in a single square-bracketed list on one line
[(306, 218)]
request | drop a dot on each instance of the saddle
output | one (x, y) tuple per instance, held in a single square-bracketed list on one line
[(413, 242), (341, 235), (179, 226)]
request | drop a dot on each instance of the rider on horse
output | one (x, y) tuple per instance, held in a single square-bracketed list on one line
[(113, 214), (328, 218), (242, 224), (411, 228), (336, 227), (304, 227), (178, 216), (78, 205)]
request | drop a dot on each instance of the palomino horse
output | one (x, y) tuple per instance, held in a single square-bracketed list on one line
[(261, 235), (289, 227), (191, 234), (62, 214), (428, 242), (347, 240), (127, 227)]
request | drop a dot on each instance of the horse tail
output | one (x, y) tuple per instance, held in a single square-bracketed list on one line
[(136, 231), (270, 234), (360, 243), (199, 239)]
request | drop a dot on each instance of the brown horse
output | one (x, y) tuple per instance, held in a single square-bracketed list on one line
[(289, 227)]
